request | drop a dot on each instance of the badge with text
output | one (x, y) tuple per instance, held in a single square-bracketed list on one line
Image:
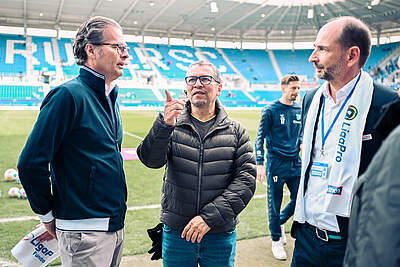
[(319, 169)]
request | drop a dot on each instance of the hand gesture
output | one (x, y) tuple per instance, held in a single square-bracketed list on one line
[(172, 109)]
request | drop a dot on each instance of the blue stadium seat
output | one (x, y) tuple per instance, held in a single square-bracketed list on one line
[(69, 66), (255, 65), (172, 61), (44, 54), (20, 95), (295, 62), (215, 58), (17, 62), (378, 53)]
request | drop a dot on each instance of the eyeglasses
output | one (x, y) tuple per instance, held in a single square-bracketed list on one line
[(204, 80), (120, 48)]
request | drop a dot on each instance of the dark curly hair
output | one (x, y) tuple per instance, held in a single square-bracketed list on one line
[(91, 31)]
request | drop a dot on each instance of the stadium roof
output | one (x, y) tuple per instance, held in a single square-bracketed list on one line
[(235, 20)]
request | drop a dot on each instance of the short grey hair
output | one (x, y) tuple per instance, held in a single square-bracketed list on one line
[(91, 31), (216, 74)]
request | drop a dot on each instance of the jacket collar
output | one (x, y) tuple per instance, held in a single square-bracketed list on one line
[(96, 81)]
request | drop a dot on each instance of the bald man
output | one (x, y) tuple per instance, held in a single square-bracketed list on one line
[(339, 140)]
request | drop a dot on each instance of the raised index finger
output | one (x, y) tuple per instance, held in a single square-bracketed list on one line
[(168, 94)]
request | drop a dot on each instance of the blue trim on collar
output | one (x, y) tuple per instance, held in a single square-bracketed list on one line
[(94, 72)]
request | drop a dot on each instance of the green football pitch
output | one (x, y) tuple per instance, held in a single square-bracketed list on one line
[(144, 185)]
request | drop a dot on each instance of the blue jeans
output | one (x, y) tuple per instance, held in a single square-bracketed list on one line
[(214, 250), (285, 172)]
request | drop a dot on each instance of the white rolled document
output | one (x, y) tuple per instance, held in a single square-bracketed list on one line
[(33, 253)]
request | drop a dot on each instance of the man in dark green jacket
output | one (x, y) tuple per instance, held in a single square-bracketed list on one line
[(209, 176), (79, 133)]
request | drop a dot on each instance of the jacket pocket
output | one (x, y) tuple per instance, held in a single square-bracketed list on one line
[(91, 195), (91, 180)]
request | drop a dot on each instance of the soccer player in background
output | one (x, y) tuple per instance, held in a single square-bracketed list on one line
[(279, 126)]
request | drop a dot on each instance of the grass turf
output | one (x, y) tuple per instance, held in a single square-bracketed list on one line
[(144, 185)]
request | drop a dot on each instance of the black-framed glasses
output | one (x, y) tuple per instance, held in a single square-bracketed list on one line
[(204, 80), (120, 48)]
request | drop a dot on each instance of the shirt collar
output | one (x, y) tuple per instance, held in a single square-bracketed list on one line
[(343, 92), (95, 73), (109, 88)]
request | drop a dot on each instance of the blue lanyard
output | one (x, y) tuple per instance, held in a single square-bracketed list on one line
[(324, 137)]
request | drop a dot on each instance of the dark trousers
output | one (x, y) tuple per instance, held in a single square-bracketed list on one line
[(281, 172), (311, 251)]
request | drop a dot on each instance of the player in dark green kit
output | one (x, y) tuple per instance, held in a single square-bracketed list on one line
[(280, 125)]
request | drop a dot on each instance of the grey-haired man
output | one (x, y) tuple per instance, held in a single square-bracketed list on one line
[(78, 132)]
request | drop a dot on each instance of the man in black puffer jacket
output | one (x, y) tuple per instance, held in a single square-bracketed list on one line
[(209, 176)]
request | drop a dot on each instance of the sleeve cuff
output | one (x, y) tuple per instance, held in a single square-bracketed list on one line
[(47, 217)]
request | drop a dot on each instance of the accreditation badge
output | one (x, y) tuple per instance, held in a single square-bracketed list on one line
[(319, 170)]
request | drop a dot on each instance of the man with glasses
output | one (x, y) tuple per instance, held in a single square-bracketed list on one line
[(79, 134), (279, 126), (209, 176)]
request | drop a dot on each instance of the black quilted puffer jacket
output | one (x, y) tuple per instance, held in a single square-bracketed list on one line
[(213, 178)]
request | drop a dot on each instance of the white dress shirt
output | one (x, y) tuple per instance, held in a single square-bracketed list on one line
[(316, 188)]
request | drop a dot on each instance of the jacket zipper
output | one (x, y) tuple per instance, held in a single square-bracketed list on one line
[(200, 165), (200, 175), (114, 130)]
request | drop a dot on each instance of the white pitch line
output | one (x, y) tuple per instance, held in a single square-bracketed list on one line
[(133, 135), (6, 263), (15, 219), (152, 206), (260, 196)]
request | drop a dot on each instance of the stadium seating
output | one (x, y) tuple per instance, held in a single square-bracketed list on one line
[(70, 68), (20, 95), (12, 55), (255, 65), (137, 59), (295, 62), (137, 97), (43, 54), (378, 53), (171, 62), (215, 58)]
